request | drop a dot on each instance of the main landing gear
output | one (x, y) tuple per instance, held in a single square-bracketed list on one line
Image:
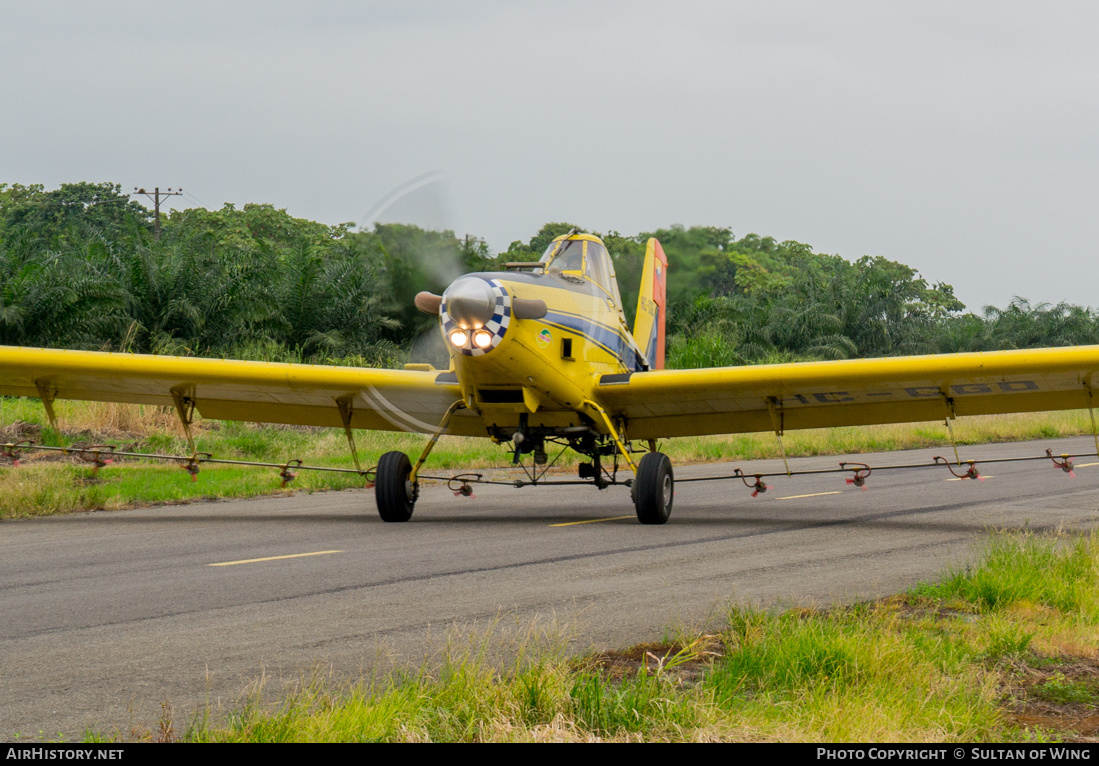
[(652, 488)]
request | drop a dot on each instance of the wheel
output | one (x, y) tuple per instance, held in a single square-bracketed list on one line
[(396, 495), (653, 488)]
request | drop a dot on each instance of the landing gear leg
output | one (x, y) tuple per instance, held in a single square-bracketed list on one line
[(654, 488), (395, 484), (653, 484)]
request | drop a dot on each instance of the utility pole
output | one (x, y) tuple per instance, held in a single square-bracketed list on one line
[(155, 197)]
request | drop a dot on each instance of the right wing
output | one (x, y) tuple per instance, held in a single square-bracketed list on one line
[(226, 389), (726, 400)]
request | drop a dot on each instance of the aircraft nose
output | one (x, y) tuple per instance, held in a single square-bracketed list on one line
[(470, 302)]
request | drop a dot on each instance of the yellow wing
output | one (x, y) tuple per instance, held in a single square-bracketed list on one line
[(263, 392), (669, 403)]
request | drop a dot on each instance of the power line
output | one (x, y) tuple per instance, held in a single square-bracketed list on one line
[(192, 197)]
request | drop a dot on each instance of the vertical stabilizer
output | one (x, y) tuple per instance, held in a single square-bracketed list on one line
[(648, 326)]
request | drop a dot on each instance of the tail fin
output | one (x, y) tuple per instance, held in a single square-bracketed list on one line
[(648, 326)]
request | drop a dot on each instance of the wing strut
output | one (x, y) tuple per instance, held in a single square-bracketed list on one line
[(47, 393), (948, 403), (344, 405), (777, 422), (1091, 411), (185, 408)]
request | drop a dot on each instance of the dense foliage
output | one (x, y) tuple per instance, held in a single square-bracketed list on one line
[(80, 268)]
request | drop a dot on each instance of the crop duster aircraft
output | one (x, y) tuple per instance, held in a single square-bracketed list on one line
[(541, 354)]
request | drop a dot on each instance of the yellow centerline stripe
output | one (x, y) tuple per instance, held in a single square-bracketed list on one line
[(591, 521), (1085, 465), (272, 558), (966, 478), (815, 494)]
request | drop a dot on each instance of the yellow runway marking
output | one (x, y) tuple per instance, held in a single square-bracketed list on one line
[(591, 521), (815, 494), (272, 558), (962, 478), (1083, 465)]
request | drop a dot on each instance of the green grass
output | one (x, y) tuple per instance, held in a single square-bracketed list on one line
[(1048, 571), (850, 675), (944, 662), (1062, 691)]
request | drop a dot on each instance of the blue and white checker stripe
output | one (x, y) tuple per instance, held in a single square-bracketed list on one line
[(497, 325)]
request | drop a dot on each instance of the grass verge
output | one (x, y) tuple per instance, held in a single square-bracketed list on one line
[(47, 483), (1001, 651)]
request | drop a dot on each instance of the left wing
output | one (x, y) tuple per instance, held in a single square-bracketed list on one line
[(667, 403), (225, 389)]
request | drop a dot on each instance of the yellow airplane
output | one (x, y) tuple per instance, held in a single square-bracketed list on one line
[(541, 354)]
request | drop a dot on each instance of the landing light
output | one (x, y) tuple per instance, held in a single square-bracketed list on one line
[(483, 338), (459, 338)]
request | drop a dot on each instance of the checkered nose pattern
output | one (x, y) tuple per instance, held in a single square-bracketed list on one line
[(472, 302)]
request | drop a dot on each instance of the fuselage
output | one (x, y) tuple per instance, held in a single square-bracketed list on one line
[(542, 369)]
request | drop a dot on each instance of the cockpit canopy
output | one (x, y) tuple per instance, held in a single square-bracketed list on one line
[(583, 256)]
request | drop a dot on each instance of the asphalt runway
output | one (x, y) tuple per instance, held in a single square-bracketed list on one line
[(105, 616)]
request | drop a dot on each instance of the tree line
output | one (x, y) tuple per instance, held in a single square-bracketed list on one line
[(80, 268)]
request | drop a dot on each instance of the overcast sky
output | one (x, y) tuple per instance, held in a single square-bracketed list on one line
[(959, 138)]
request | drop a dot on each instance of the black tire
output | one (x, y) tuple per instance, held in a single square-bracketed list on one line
[(396, 495), (654, 488)]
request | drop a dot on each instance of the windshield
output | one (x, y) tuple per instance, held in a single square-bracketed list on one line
[(564, 255), (584, 256)]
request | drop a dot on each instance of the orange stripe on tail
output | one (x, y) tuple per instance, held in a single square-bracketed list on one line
[(648, 326)]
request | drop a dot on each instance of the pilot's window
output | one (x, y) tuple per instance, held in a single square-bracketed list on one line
[(617, 296), (599, 267), (570, 260), (569, 256)]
